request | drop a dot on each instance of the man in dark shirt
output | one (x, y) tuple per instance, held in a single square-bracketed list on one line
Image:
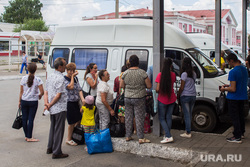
[(40, 59)]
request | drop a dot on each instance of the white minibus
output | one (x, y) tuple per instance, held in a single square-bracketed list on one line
[(109, 43), (206, 43)]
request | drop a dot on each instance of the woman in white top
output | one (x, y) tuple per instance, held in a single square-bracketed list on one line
[(28, 100), (91, 79), (104, 100)]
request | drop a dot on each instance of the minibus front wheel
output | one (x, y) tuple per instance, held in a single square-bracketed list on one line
[(203, 119)]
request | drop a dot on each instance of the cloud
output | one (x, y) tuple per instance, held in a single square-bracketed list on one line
[(61, 12), (126, 8)]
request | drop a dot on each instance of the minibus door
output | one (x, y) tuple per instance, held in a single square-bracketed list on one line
[(177, 56)]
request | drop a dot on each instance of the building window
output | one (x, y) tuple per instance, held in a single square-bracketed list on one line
[(83, 57), (4, 45), (185, 27), (238, 37), (190, 28), (210, 29), (180, 26)]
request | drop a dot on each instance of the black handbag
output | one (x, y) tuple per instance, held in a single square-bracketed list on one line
[(176, 110), (120, 100), (78, 135), (18, 122), (150, 104), (222, 103), (117, 129)]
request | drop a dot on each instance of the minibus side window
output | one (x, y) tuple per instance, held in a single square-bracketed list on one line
[(59, 52), (142, 55), (83, 57), (177, 57)]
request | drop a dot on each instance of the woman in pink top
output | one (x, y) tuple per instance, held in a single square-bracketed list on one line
[(166, 98)]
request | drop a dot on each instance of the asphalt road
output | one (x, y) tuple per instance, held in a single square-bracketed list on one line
[(15, 151)]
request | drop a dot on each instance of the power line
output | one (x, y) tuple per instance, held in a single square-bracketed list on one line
[(46, 3)]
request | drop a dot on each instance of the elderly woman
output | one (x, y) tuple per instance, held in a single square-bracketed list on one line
[(74, 95), (104, 99), (135, 81)]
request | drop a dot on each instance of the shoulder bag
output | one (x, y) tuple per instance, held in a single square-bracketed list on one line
[(117, 129), (78, 135), (85, 93), (221, 103), (18, 122)]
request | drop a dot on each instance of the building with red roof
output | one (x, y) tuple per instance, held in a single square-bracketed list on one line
[(191, 21)]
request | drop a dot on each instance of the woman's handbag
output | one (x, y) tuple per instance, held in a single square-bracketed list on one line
[(78, 135), (176, 110), (18, 122), (120, 100), (117, 129), (150, 104), (222, 103), (99, 142), (83, 92)]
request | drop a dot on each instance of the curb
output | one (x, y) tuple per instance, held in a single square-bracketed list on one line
[(185, 156), (14, 77)]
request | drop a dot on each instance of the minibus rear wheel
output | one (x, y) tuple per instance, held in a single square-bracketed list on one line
[(203, 119)]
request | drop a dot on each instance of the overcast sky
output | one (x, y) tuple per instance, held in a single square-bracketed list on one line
[(67, 11)]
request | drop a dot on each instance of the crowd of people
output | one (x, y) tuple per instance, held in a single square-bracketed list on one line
[(63, 94)]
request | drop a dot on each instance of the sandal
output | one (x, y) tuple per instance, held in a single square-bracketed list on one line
[(32, 140), (141, 141), (71, 143), (129, 138)]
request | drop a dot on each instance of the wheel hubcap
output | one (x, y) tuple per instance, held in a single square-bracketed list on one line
[(201, 119)]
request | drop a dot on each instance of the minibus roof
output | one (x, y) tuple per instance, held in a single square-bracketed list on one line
[(205, 41), (119, 32)]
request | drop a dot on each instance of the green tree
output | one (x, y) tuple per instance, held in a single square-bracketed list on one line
[(32, 24), (19, 10)]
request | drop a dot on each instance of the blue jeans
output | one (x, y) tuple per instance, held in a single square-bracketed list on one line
[(29, 109), (187, 104), (165, 117), (24, 65)]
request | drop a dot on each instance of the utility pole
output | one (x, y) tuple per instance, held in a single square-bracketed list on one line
[(244, 28), (116, 9), (218, 32), (158, 49)]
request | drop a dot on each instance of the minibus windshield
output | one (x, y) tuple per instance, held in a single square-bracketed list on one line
[(204, 61)]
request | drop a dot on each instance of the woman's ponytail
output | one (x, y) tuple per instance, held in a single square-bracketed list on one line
[(30, 80), (32, 69)]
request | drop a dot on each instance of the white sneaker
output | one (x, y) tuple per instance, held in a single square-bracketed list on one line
[(167, 140), (186, 135)]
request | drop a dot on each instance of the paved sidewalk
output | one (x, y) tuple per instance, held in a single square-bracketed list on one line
[(203, 149), (13, 72)]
